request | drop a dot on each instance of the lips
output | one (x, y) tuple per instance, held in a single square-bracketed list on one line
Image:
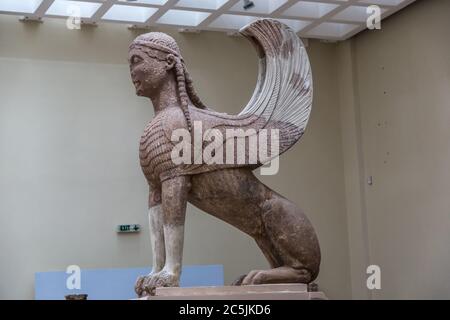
[(137, 85)]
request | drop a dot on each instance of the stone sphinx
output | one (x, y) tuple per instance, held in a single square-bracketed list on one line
[(229, 191)]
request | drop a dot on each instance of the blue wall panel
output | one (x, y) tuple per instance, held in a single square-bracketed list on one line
[(117, 284)]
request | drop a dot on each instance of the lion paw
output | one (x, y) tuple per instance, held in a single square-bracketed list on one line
[(162, 278)]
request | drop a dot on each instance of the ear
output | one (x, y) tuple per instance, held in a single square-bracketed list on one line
[(170, 61)]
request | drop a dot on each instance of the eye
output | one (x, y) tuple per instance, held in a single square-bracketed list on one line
[(135, 59)]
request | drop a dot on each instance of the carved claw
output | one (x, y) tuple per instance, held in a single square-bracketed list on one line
[(147, 285), (163, 278), (139, 286), (284, 274), (238, 281)]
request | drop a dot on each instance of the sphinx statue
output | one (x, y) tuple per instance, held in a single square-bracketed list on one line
[(227, 190)]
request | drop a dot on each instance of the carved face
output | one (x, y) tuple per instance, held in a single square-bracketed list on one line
[(149, 73)]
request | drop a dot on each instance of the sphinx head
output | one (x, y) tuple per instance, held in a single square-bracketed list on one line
[(155, 59)]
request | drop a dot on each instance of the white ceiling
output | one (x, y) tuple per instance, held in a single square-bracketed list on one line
[(322, 19)]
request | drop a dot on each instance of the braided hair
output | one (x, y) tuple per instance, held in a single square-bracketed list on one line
[(166, 44)]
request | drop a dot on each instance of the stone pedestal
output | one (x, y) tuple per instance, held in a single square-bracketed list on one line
[(253, 292)]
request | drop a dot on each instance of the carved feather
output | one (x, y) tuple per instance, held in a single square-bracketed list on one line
[(282, 98), (284, 93)]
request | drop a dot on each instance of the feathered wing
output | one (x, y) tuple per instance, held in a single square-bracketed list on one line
[(282, 98)]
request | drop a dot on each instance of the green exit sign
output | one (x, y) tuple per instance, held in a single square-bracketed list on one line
[(128, 228)]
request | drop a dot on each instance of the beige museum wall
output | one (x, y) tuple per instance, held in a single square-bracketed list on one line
[(395, 119), (69, 172)]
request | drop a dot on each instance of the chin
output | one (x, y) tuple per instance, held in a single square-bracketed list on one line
[(140, 92)]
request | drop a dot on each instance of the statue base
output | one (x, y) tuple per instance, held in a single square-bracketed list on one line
[(251, 292)]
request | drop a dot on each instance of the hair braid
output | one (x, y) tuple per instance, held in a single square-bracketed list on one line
[(182, 93)]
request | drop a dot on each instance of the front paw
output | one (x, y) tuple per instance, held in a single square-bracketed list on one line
[(163, 278), (139, 286)]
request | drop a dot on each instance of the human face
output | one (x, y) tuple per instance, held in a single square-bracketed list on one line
[(147, 73)]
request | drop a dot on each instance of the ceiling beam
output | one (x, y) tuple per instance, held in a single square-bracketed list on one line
[(100, 12), (42, 9), (282, 12), (222, 10), (327, 16), (170, 4)]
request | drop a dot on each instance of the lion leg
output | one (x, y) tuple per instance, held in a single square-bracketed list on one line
[(155, 220), (269, 252), (283, 274), (291, 246)]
